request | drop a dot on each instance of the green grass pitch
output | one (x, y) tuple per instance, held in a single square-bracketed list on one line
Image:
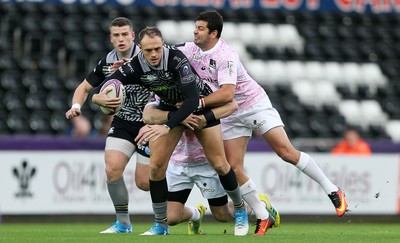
[(214, 233)]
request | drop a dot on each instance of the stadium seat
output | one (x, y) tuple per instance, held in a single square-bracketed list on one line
[(52, 22), (287, 35), (17, 122), (350, 109), (299, 125), (319, 126), (36, 101), (337, 124), (392, 128), (305, 90), (267, 34), (333, 72), (185, 31), (78, 64), (295, 70), (53, 42), (32, 80), (168, 28), (11, 80), (314, 71), (326, 93), (75, 41), (275, 72), (58, 122), (257, 69), (39, 122), (352, 73), (372, 113), (57, 101), (391, 105), (72, 23), (251, 31), (372, 75), (33, 44), (240, 49), (51, 81)]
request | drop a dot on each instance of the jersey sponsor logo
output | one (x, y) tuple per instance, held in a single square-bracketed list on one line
[(149, 77), (196, 57), (230, 67), (204, 188), (257, 125)]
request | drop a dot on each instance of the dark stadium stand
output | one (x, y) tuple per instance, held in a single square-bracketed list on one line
[(46, 50)]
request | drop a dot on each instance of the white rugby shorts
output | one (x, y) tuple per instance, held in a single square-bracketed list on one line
[(126, 147), (261, 118), (204, 176)]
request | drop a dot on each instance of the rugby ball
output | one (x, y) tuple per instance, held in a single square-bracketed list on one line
[(117, 90)]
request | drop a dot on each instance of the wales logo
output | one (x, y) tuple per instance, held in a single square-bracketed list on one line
[(24, 175)]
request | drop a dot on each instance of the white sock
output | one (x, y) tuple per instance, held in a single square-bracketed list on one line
[(308, 166), (195, 213), (249, 193)]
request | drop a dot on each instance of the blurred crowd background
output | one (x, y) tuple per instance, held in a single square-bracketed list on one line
[(324, 71)]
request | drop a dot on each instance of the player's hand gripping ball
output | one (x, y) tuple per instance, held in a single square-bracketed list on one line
[(117, 90)]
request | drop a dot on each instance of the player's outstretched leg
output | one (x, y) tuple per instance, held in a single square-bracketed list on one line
[(271, 210), (157, 229), (117, 227), (339, 201), (194, 227)]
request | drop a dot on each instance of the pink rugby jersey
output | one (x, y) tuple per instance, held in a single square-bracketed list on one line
[(221, 65), (188, 151)]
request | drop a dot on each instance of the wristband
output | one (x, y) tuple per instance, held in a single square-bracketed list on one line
[(209, 116), (76, 106), (202, 104), (166, 126)]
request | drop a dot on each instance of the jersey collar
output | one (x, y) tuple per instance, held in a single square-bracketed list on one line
[(212, 49)]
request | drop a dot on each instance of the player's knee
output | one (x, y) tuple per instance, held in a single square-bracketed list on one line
[(221, 168), (142, 184), (113, 172), (287, 155)]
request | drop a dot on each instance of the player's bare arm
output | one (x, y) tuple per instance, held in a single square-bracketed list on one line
[(220, 97), (79, 98)]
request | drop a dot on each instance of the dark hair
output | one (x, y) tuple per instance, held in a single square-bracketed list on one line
[(121, 21), (214, 21), (151, 32)]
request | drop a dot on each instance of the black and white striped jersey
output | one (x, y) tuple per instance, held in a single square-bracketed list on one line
[(174, 80), (136, 95)]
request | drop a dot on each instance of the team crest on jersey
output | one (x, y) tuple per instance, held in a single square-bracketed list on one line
[(213, 64), (178, 59)]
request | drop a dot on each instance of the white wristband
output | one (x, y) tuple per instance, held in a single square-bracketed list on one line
[(76, 106)]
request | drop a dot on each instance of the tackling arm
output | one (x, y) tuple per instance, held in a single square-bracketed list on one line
[(220, 97)]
